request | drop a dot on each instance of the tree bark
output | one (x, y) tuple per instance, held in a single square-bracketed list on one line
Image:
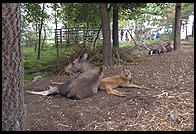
[(99, 30), (41, 24), (105, 21), (13, 109), (36, 37), (193, 29), (132, 38), (56, 37), (43, 39), (186, 32), (115, 26), (177, 28)]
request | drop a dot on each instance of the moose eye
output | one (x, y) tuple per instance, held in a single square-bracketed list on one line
[(126, 75)]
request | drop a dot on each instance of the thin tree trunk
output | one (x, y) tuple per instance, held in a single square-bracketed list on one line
[(36, 37), (107, 49), (96, 38), (177, 27), (38, 56), (57, 46), (115, 26), (99, 30), (186, 31), (39, 44), (43, 39), (132, 38), (193, 29)]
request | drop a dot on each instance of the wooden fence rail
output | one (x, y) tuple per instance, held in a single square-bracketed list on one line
[(74, 35)]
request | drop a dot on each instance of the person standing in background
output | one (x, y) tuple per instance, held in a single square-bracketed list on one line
[(157, 36), (126, 37), (121, 34)]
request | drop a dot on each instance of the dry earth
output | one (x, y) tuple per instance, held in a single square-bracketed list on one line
[(169, 105)]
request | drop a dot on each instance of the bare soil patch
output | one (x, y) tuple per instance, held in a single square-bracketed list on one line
[(169, 105)]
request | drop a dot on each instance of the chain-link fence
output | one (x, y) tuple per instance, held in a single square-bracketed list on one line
[(13, 109)]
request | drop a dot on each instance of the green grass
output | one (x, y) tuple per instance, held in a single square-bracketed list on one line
[(126, 44), (138, 42), (191, 40), (47, 56), (29, 77), (31, 63)]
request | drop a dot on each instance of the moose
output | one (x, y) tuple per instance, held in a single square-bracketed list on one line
[(88, 81), (79, 65), (84, 85), (163, 48), (121, 80)]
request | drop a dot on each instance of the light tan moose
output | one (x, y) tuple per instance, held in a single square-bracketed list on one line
[(122, 80)]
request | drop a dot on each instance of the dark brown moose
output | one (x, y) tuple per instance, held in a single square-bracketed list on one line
[(84, 85)]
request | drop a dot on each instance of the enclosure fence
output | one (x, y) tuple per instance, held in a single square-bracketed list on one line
[(13, 109), (74, 35)]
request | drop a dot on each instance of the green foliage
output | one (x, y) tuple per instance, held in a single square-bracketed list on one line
[(153, 13), (191, 40), (150, 14), (187, 10), (130, 10), (32, 19), (76, 14), (32, 13)]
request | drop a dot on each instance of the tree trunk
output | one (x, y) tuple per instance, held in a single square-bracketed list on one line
[(186, 38), (36, 36), (43, 39), (40, 30), (61, 36), (177, 27), (193, 29), (132, 38), (99, 31), (13, 109), (56, 38), (115, 26), (105, 21), (39, 44)]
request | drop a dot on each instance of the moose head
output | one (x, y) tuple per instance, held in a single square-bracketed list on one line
[(78, 65)]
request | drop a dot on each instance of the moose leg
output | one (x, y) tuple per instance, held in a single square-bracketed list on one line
[(132, 85), (52, 90), (115, 92)]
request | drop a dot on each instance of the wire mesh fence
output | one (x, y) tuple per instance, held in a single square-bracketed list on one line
[(13, 109)]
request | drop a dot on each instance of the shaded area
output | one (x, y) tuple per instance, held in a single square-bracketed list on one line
[(169, 105)]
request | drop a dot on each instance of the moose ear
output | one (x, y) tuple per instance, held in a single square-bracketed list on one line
[(85, 56), (123, 69), (81, 57), (75, 61)]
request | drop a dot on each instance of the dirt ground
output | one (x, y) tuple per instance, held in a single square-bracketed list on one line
[(169, 105)]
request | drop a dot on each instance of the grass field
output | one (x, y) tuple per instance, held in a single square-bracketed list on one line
[(32, 63)]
